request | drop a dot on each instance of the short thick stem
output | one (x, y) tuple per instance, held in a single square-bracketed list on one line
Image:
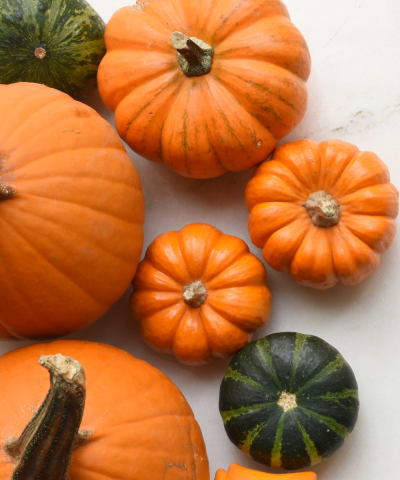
[(195, 294), (40, 53), (287, 401), (6, 191), (43, 450), (194, 55), (323, 209)]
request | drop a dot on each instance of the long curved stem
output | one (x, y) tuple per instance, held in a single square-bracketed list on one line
[(43, 451)]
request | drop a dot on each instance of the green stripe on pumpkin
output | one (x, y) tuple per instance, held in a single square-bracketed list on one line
[(251, 436), (234, 375), (347, 393), (276, 461), (262, 347), (298, 350), (332, 367), (310, 446), (228, 415), (329, 422)]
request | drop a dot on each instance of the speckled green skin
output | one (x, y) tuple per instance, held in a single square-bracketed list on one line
[(70, 31), (301, 365)]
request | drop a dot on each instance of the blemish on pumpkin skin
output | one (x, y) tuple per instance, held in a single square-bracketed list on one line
[(63, 130)]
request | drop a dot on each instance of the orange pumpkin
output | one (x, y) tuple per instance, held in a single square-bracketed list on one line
[(205, 86), (323, 212), (71, 210), (136, 423), (237, 472), (200, 294)]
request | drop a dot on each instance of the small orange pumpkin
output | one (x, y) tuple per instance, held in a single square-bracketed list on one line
[(237, 472), (323, 212), (136, 423), (204, 86), (71, 212), (200, 294)]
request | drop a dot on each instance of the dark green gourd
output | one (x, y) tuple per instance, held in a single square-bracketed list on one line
[(59, 43), (289, 400)]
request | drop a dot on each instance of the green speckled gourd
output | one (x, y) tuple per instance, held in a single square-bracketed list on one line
[(59, 43), (289, 400)]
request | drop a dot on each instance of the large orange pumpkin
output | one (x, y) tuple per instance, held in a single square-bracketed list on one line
[(200, 294), (223, 102), (71, 213), (237, 472), (323, 212), (136, 423)]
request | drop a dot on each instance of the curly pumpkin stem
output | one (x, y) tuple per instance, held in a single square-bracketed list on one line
[(194, 55), (44, 448), (6, 191), (195, 294), (323, 209)]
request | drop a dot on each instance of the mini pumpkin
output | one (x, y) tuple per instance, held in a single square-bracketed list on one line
[(205, 86), (237, 472), (289, 400), (323, 212), (71, 210), (200, 294), (135, 423), (58, 43)]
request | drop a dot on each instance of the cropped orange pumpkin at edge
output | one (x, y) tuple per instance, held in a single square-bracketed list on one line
[(204, 86), (324, 212), (237, 472), (72, 213)]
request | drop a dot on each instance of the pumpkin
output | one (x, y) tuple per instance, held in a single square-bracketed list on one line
[(199, 294), (58, 43), (204, 86), (71, 210), (237, 472), (289, 400), (136, 423), (323, 212)]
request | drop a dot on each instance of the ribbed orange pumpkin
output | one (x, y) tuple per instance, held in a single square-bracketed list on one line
[(237, 472), (200, 294), (323, 212), (247, 90), (139, 426), (71, 213)]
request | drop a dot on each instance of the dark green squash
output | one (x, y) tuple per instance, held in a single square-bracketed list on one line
[(59, 43), (289, 400)]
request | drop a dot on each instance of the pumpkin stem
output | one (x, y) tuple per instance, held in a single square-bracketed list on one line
[(323, 209), (287, 401), (44, 448), (195, 294), (194, 55), (6, 191), (40, 53)]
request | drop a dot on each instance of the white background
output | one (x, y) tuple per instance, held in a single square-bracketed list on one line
[(354, 95)]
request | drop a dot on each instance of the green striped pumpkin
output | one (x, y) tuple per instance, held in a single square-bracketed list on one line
[(59, 43), (289, 400)]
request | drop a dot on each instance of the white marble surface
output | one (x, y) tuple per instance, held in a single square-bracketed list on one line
[(354, 95)]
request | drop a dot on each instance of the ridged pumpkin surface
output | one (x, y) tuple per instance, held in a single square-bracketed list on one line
[(289, 400), (237, 472), (72, 234), (229, 119), (143, 427), (200, 294), (55, 42), (353, 187)]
